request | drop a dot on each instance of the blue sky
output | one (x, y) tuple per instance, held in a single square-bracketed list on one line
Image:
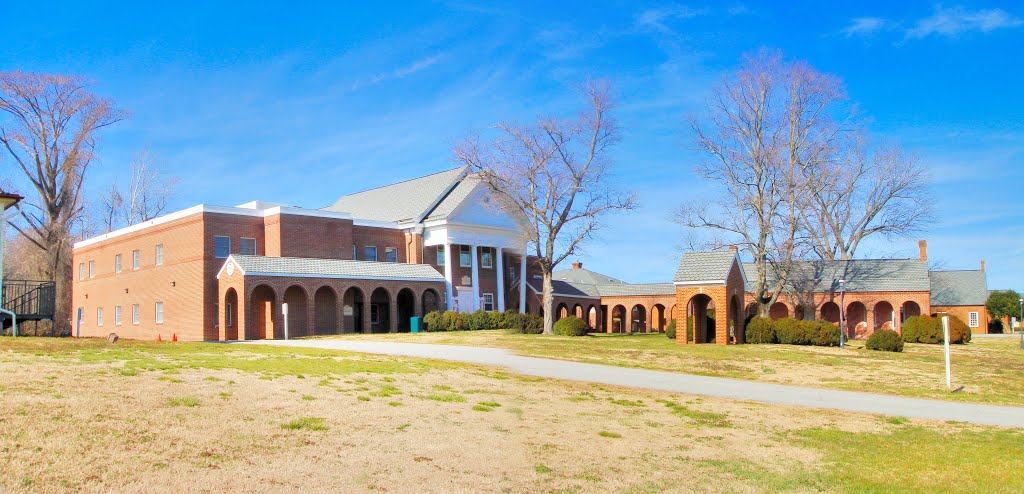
[(301, 103)]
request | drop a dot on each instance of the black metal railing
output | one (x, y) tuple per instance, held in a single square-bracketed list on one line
[(29, 299)]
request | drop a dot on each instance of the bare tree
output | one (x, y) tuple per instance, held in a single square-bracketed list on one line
[(555, 172), (862, 193), (50, 134), (766, 126), (146, 197)]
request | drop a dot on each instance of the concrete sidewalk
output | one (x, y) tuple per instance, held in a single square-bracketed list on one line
[(684, 383)]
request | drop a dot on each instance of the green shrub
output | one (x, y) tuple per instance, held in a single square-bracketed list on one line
[(822, 333), (670, 331), (570, 326), (689, 329), (928, 329), (516, 323), (959, 333), (885, 340), (454, 321), (760, 330), (534, 324), (789, 331), (432, 321), (480, 319), (497, 320)]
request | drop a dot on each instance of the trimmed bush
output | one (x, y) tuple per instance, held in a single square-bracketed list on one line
[(823, 333), (480, 319), (497, 320), (670, 331), (570, 326), (760, 330), (790, 332), (517, 323), (885, 340), (432, 321), (928, 329)]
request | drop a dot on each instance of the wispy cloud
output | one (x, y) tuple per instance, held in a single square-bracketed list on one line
[(399, 72), (740, 9), (864, 26), (658, 18), (957, 20), (943, 21)]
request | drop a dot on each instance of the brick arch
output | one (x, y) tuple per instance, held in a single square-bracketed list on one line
[(577, 310), (297, 298), (405, 308), (779, 310), (593, 317), (618, 319), (230, 308), (658, 319), (884, 314), (381, 301), (638, 319), (263, 310), (698, 314), (561, 311), (428, 305), (325, 311), (354, 306)]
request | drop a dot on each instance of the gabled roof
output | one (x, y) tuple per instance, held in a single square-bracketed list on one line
[(951, 288), (401, 202), (860, 275), (594, 284), (332, 268), (580, 275), (709, 266), (629, 289)]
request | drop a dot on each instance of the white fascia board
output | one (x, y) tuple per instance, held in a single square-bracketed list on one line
[(316, 213), (448, 190), (377, 224), (346, 277), (230, 259), (696, 283), (184, 213)]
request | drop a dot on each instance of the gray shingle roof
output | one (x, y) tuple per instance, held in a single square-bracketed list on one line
[(584, 276), (399, 202), (951, 288), (705, 266), (861, 275), (626, 289), (334, 268), (454, 198)]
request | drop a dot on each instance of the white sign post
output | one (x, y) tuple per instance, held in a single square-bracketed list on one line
[(945, 334), (284, 310)]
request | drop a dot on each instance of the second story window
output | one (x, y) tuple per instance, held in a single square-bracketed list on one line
[(92, 269), (81, 271), (370, 253), (440, 255), (390, 254), (354, 252), (160, 254), (136, 260), (465, 259), (247, 246), (487, 258), (117, 263), (221, 246)]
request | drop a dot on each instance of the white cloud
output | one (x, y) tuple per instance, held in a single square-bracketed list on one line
[(657, 18), (740, 9), (957, 20), (863, 26), (400, 72)]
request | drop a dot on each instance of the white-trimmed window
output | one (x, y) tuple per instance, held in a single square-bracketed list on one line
[(488, 302), (117, 315), (81, 315), (487, 258), (465, 259), (136, 260), (972, 319), (390, 254), (81, 271), (158, 312), (441, 255), (117, 263), (159, 254), (92, 269), (136, 314), (248, 246), (370, 253), (221, 246), (99, 316)]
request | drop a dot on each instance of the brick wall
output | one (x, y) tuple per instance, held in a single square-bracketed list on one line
[(962, 312)]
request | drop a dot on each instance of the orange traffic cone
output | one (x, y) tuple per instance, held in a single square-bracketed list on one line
[(158, 337), (174, 337)]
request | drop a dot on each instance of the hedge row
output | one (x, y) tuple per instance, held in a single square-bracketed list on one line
[(791, 332), (885, 340), (928, 329), (510, 320)]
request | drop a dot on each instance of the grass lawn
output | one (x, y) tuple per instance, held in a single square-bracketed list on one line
[(85, 416), (991, 370)]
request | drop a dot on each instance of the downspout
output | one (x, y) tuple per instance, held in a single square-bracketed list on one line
[(3, 226)]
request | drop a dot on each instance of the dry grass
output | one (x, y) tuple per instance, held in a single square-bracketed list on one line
[(991, 370), (71, 420)]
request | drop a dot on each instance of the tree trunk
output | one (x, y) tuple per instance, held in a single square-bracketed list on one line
[(548, 303)]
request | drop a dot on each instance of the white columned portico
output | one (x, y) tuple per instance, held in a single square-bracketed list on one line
[(448, 275), (501, 280), (522, 283), (476, 276)]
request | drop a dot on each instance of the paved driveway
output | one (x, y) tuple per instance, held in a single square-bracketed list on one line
[(684, 383)]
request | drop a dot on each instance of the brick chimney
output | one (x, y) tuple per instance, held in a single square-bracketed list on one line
[(577, 265), (982, 265), (923, 245), (732, 248)]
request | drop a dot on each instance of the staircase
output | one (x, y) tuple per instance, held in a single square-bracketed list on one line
[(30, 300)]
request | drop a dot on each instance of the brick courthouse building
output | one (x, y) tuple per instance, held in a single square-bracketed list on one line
[(373, 259)]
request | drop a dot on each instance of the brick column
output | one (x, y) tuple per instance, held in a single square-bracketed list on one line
[(650, 319), (339, 313), (393, 314), (367, 329)]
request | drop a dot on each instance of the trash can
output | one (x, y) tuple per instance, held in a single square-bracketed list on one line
[(415, 323)]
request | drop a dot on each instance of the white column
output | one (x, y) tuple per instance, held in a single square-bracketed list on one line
[(522, 283), (448, 275), (501, 280), (476, 277)]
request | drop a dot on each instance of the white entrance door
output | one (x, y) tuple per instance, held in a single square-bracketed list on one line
[(464, 299)]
